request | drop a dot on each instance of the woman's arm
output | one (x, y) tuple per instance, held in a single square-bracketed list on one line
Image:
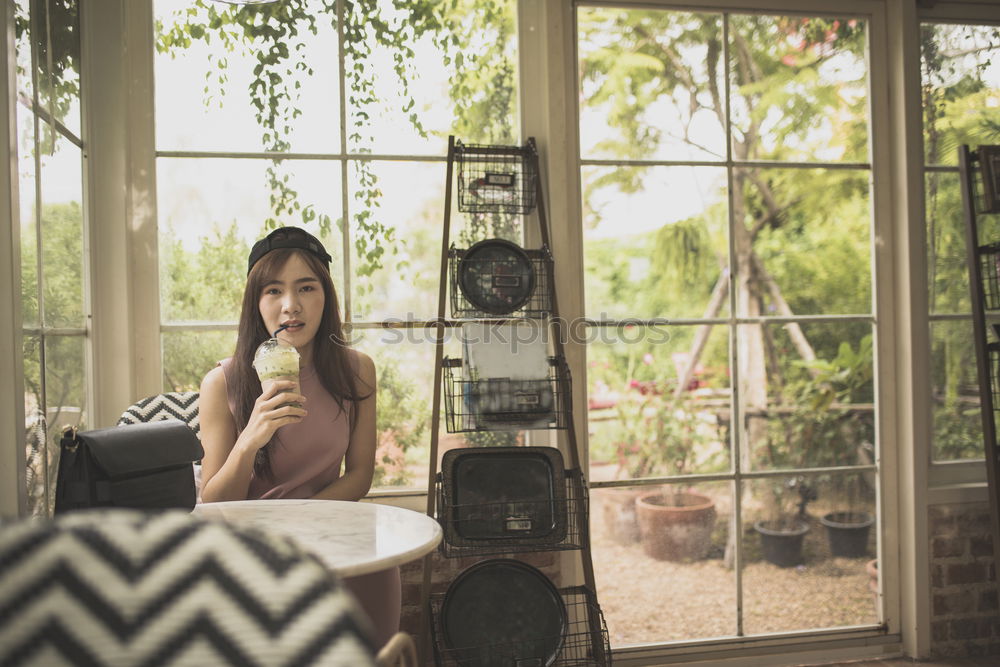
[(359, 462), (228, 460)]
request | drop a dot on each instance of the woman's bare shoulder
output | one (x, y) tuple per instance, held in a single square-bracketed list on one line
[(214, 383)]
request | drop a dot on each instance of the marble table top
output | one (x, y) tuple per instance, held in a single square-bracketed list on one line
[(350, 538)]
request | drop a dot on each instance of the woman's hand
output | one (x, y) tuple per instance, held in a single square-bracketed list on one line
[(270, 412)]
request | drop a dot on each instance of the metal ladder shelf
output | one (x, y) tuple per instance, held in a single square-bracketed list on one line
[(984, 287), (596, 650)]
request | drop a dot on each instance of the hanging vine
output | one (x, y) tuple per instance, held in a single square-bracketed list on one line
[(276, 34)]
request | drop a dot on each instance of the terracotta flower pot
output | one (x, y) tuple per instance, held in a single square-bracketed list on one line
[(675, 527)]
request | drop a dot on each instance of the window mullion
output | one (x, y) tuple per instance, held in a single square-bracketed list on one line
[(345, 209)]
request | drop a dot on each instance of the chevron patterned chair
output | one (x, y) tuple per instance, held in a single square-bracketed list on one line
[(122, 587), (182, 405)]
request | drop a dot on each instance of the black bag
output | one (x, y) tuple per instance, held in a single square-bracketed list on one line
[(142, 466)]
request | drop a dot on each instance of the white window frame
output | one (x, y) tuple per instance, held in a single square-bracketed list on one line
[(849, 644)]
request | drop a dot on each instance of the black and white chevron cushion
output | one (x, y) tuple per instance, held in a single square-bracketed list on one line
[(121, 587), (182, 405)]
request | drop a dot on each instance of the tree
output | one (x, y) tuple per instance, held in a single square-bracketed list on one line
[(55, 393), (794, 95)]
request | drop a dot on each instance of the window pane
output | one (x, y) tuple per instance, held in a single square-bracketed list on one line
[(947, 255), (809, 402), (203, 88), (65, 395), (29, 231), (797, 241), (212, 211), (655, 242), (799, 88), (56, 26), (404, 362), (947, 263), (27, 177), (957, 426), (460, 80), (655, 75), (51, 235), (640, 424), (36, 451), (189, 355), (409, 209), (661, 570), (810, 234), (960, 71), (62, 236), (796, 574)]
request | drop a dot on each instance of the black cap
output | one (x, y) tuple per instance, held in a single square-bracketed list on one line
[(288, 237)]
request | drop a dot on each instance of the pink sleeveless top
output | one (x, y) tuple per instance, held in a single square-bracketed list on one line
[(307, 456)]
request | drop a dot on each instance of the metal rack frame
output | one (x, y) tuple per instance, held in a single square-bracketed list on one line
[(599, 651), (984, 290)]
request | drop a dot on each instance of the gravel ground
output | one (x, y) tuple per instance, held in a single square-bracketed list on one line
[(646, 600)]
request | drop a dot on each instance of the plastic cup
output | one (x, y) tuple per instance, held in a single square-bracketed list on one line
[(275, 360)]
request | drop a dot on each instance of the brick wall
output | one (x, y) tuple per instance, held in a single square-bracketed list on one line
[(443, 572), (964, 609)]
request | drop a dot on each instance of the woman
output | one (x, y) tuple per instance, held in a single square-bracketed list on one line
[(258, 445)]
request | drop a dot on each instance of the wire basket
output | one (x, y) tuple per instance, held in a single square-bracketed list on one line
[(989, 266), (585, 641), (493, 274), (563, 514), (505, 404), (496, 179)]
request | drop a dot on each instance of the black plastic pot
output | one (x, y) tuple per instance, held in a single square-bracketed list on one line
[(780, 544), (848, 533)]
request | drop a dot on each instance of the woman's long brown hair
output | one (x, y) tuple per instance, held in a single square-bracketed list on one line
[(330, 356)]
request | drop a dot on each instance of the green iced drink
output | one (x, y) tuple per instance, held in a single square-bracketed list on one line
[(276, 360)]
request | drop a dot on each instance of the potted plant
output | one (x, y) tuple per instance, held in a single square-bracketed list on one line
[(657, 431), (831, 434), (675, 524), (847, 529), (784, 525), (847, 532), (781, 536), (818, 427)]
